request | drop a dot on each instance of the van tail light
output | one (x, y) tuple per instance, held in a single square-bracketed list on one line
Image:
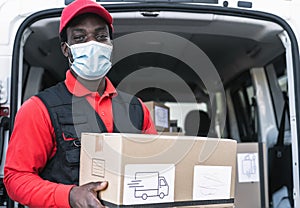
[(4, 127), (4, 111)]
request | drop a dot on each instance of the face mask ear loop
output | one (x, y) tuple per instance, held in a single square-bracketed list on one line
[(71, 53), (70, 61)]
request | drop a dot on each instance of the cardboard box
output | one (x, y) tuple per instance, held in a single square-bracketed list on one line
[(172, 133), (160, 170), (160, 115), (252, 175)]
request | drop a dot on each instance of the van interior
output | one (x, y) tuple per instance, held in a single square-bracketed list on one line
[(227, 48), (190, 62)]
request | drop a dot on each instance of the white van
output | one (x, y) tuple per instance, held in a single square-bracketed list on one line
[(233, 60)]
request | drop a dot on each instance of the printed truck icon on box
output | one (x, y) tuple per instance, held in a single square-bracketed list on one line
[(149, 184)]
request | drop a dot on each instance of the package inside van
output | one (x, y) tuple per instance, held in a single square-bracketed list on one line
[(221, 72)]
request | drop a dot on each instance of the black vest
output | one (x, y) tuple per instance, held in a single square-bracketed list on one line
[(70, 116)]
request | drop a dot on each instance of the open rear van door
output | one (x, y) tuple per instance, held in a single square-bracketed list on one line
[(240, 45)]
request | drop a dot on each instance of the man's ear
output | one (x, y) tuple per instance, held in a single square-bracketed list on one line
[(64, 49)]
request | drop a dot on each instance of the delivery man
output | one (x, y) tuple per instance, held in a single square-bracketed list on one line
[(42, 163)]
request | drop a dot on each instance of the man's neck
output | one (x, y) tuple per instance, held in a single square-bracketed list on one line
[(92, 85)]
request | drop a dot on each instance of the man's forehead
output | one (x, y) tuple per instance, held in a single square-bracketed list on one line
[(87, 20)]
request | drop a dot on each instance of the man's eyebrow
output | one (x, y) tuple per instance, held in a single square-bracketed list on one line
[(100, 29), (78, 30)]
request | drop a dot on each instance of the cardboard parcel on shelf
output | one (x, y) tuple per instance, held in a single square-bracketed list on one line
[(160, 170), (160, 115)]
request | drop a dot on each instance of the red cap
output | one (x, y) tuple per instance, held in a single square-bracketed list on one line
[(78, 7)]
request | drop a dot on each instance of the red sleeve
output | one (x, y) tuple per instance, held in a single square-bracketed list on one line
[(148, 126), (30, 147)]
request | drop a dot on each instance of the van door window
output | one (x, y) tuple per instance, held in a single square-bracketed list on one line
[(277, 80), (245, 109)]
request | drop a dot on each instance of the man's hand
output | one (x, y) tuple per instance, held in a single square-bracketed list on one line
[(86, 195)]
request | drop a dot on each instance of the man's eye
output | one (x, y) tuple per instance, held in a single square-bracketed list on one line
[(79, 38), (101, 37)]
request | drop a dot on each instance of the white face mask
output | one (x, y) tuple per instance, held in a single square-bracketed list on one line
[(91, 60)]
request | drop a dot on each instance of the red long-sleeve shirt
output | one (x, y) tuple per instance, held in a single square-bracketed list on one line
[(33, 143)]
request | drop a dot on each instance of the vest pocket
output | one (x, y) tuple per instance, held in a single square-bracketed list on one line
[(73, 156), (73, 125), (70, 118)]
